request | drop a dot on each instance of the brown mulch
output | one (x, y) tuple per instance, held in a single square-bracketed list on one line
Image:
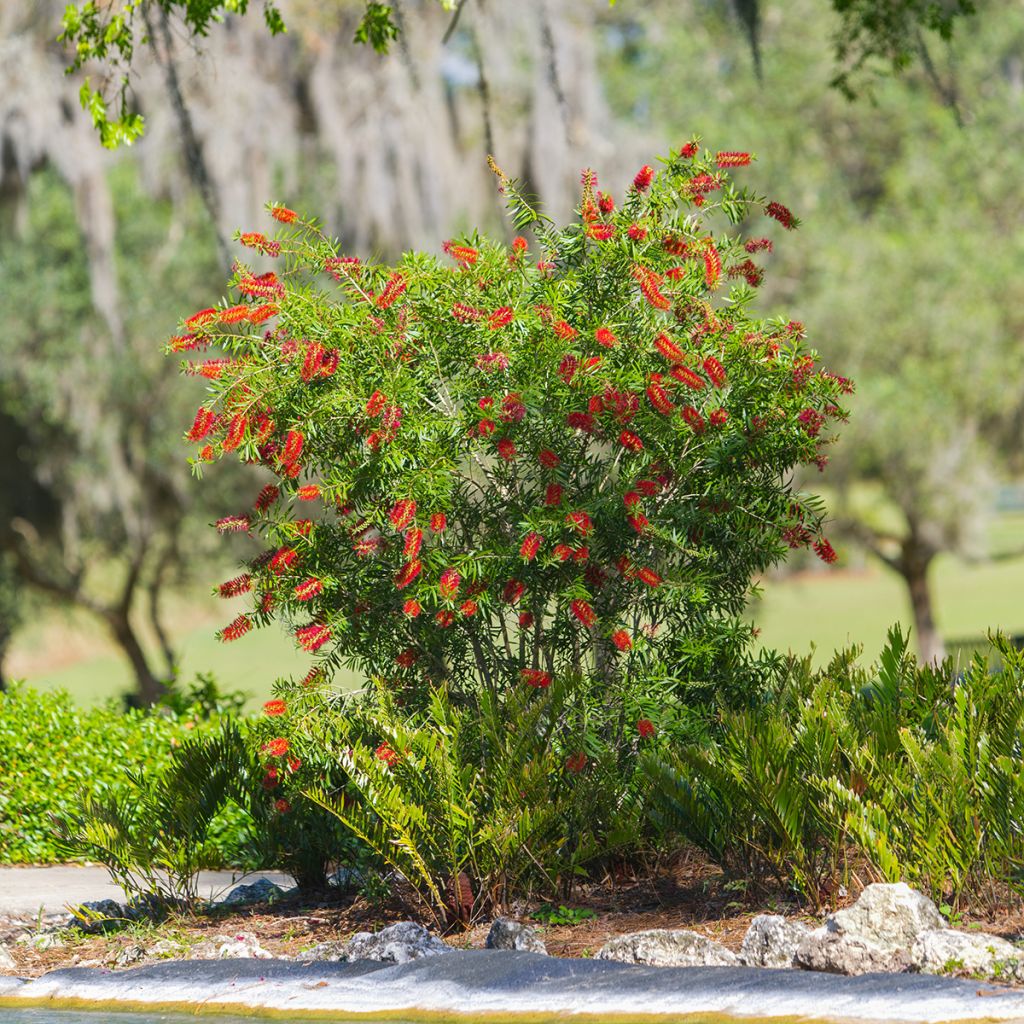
[(688, 893)]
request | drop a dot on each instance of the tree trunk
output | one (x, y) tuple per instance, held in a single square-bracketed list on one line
[(914, 565), (148, 688)]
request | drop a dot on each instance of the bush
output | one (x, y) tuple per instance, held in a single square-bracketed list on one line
[(55, 754), (915, 770)]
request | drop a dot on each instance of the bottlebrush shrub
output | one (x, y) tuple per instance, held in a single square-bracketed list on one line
[(497, 467)]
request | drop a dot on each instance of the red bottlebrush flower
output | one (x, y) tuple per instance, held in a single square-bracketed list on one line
[(581, 421), (311, 638), (291, 470), (206, 453), (485, 403), (512, 409), (463, 254), (718, 417), (583, 612), (283, 559), (649, 283), (548, 459), (270, 779), (580, 522), (622, 640), (581, 554), (630, 441), (449, 582), (402, 513), (275, 708), (604, 337), (407, 658), (526, 620), (715, 371), (491, 361), (233, 587), (367, 544), (444, 618), (486, 427), (637, 232), (659, 399), (575, 763), (408, 573), (186, 343), (669, 349), (501, 317), (375, 403), (731, 159), (649, 488), (748, 270), (211, 369), (392, 291), (605, 203), (234, 314), (303, 527), (693, 418), (712, 266), (567, 368), (233, 524), (530, 546), (264, 428), (513, 591), (277, 747), (468, 608), (236, 629), (308, 589), (467, 314), (648, 576), (308, 492), (200, 319), (412, 608), (535, 677), (314, 675), (293, 442), (779, 212), (758, 245), (643, 179), (235, 434), (312, 361), (803, 370), (553, 495), (387, 755), (564, 330), (595, 405), (631, 499), (688, 150), (413, 542), (519, 244), (824, 550), (283, 214), (646, 728), (266, 498), (438, 522), (601, 232), (812, 421), (638, 521), (260, 314), (562, 552), (690, 378), (282, 806)]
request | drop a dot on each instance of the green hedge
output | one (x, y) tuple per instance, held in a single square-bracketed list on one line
[(54, 753)]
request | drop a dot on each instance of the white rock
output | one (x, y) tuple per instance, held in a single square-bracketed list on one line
[(6, 960), (398, 943), (508, 934), (824, 950), (244, 946), (946, 951), (890, 916), (772, 941), (663, 947)]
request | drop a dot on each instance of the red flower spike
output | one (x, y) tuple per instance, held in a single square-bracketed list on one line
[(630, 441), (631, 499), (605, 203), (266, 498), (580, 522), (308, 589), (463, 254), (649, 283), (402, 513), (659, 399), (283, 559), (293, 442), (784, 216), (646, 728), (562, 552), (564, 330), (548, 459), (643, 179), (375, 403), (467, 314), (689, 150), (553, 495), (715, 371), (622, 640), (530, 546), (412, 608), (581, 421), (718, 417), (712, 266), (284, 215), (535, 677), (233, 587), (824, 550), (387, 755), (758, 245), (235, 434), (308, 492), (392, 291), (501, 317), (282, 806), (648, 576), (407, 658), (519, 246), (637, 232), (638, 521), (526, 620), (408, 573), (202, 425), (468, 608), (438, 522), (686, 376), (601, 232), (277, 747), (583, 612), (449, 582), (669, 349), (275, 708), (413, 542), (507, 449), (233, 524), (513, 591), (444, 618), (575, 763), (311, 638), (732, 159), (236, 629), (693, 418), (604, 337)]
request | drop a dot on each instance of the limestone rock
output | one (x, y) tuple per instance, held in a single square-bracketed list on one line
[(6, 960), (260, 891), (398, 943), (244, 946), (128, 955), (662, 947), (508, 934), (772, 941), (890, 916), (330, 951), (945, 951), (824, 950)]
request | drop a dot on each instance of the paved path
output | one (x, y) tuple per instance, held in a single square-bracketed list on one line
[(23, 891)]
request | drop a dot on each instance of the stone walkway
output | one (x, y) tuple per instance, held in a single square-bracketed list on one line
[(26, 890)]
